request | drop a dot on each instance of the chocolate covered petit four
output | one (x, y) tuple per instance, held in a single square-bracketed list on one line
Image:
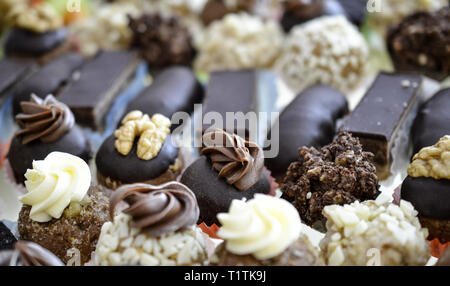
[(230, 168), (374, 233), (338, 173), (162, 40), (26, 253), (101, 80), (157, 228), (427, 187), (432, 121), (49, 79), (61, 210), (309, 120), (385, 113), (174, 89), (12, 71), (264, 231), (140, 151), (328, 50), (238, 41), (420, 43), (46, 125)]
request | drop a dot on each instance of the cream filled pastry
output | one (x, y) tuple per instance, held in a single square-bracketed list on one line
[(263, 231), (61, 211), (46, 125), (157, 228)]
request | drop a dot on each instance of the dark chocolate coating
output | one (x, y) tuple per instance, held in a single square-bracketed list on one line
[(430, 197), (48, 80), (174, 89), (13, 70), (130, 169), (309, 120), (101, 80), (21, 156), (432, 121), (7, 239), (214, 195), (28, 43)]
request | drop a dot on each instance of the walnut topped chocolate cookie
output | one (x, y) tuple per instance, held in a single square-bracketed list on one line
[(339, 173)]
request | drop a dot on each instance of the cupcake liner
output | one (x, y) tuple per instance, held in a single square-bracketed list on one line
[(9, 177)]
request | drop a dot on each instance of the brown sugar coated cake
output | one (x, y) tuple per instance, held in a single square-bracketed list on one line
[(72, 216)]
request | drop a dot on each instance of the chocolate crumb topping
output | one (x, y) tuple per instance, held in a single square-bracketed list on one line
[(339, 173), (46, 120), (163, 41), (237, 160), (158, 209)]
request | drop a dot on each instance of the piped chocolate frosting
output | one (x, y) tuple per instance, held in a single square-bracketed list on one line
[(46, 120), (158, 209), (27, 253), (237, 160)]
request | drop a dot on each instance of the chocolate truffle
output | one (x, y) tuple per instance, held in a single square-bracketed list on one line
[(230, 168), (46, 125), (7, 239), (264, 231), (421, 43), (432, 121), (61, 212), (28, 253), (157, 228), (162, 40), (427, 188), (309, 120), (374, 233), (141, 143), (339, 173)]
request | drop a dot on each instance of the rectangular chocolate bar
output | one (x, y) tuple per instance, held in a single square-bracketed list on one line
[(100, 81), (383, 112), (240, 91), (11, 72)]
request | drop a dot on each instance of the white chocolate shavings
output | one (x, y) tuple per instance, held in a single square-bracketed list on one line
[(327, 50), (121, 244), (433, 161), (358, 232), (393, 11), (39, 18), (238, 41), (107, 28), (151, 132)]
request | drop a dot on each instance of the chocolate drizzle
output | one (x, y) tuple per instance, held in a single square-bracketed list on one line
[(237, 160), (46, 120), (158, 209), (30, 254)]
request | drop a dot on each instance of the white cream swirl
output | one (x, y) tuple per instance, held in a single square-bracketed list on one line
[(264, 226), (54, 183)]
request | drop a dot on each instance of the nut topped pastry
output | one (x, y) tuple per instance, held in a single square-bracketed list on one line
[(46, 125), (140, 143), (157, 228), (26, 253), (263, 231), (339, 173), (374, 233), (230, 168), (427, 188), (61, 210)]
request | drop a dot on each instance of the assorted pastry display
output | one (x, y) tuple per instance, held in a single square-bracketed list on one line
[(225, 133)]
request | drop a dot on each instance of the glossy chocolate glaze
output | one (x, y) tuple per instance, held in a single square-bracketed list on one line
[(12, 70), (24, 42), (21, 156), (130, 169), (309, 120), (214, 194), (432, 121), (429, 196)]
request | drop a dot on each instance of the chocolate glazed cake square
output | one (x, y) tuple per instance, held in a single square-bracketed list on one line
[(381, 115), (100, 82), (11, 72)]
